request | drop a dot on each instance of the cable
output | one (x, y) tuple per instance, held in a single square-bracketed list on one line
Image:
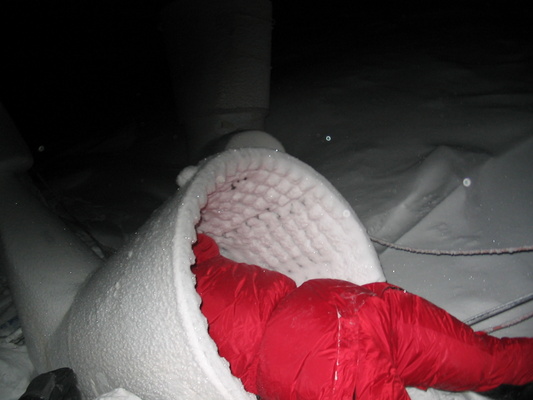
[(507, 324), (481, 252), (498, 309)]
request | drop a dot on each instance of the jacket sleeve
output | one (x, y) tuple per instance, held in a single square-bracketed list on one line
[(237, 300)]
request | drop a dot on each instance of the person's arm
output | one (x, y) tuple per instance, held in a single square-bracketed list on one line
[(237, 300)]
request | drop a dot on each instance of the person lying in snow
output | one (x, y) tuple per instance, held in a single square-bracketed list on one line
[(332, 339)]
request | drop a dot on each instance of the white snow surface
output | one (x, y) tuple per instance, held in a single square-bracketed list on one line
[(433, 150), (118, 394)]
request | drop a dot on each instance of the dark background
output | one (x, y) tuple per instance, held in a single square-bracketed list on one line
[(77, 72)]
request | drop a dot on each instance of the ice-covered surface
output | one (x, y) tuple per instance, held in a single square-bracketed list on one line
[(397, 128), (267, 208), (118, 394)]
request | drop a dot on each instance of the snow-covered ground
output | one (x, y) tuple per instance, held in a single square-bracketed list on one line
[(433, 152), (430, 140)]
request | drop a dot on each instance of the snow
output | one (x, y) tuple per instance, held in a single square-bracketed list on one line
[(430, 143), (118, 394), (15, 371)]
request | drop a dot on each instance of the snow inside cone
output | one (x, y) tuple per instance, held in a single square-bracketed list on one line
[(137, 322), (268, 208)]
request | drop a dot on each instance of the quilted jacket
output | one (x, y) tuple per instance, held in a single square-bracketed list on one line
[(334, 340)]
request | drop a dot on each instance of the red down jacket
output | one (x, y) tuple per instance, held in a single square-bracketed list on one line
[(332, 339)]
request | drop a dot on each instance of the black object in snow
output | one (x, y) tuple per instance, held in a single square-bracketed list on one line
[(60, 384)]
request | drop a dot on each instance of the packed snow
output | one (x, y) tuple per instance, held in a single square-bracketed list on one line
[(431, 142)]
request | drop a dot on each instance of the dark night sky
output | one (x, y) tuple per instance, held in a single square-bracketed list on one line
[(80, 70), (73, 66)]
